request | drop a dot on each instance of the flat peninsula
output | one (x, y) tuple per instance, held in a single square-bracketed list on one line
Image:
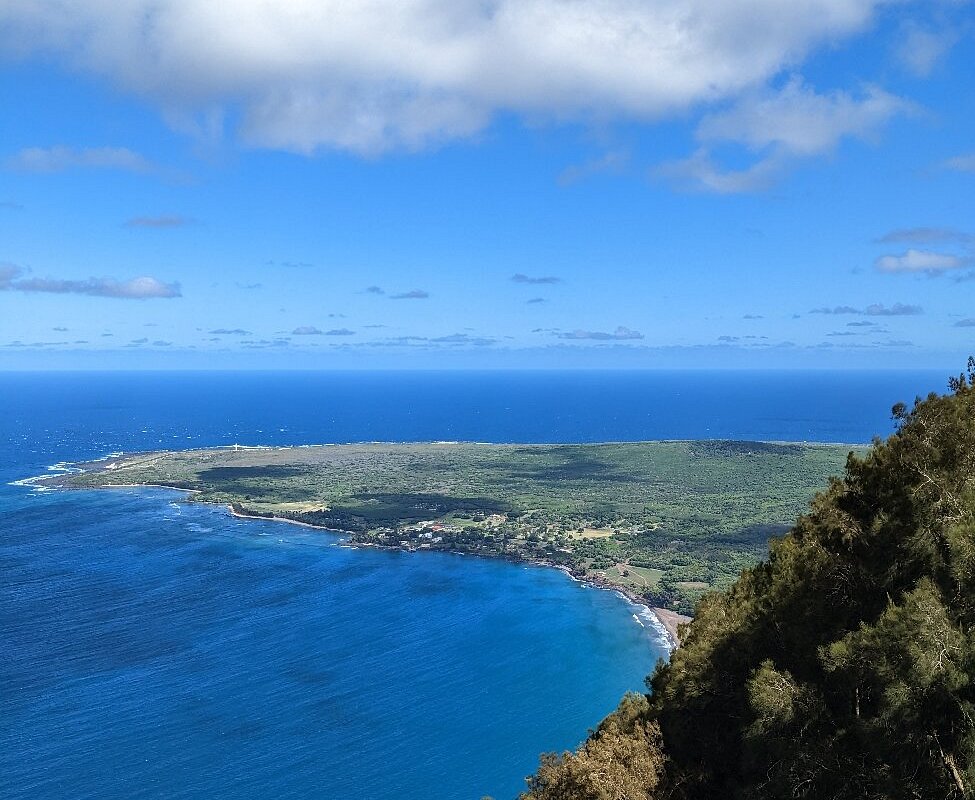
[(663, 522)]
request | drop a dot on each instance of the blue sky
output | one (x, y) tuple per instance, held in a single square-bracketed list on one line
[(536, 184)]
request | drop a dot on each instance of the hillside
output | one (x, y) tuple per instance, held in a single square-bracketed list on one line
[(840, 667)]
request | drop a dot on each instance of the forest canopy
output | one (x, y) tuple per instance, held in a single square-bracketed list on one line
[(841, 666)]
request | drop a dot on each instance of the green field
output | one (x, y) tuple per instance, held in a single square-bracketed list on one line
[(664, 520)]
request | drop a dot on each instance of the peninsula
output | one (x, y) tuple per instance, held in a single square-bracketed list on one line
[(663, 522)]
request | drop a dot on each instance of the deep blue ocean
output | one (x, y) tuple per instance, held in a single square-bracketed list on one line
[(153, 648)]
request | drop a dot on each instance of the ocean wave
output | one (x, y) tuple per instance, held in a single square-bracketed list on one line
[(62, 467), (644, 615)]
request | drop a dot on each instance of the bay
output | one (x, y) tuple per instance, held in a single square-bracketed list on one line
[(158, 648)]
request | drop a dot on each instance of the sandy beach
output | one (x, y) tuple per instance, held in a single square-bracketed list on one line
[(671, 620)]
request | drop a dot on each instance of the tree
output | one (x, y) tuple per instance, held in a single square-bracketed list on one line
[(843, 666)]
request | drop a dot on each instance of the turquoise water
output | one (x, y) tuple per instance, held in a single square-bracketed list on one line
[(154, 648)]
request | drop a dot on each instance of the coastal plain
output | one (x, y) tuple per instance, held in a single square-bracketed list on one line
[(662, 521)]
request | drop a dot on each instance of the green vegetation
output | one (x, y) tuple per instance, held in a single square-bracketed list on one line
[(841, 667), (664, 521)]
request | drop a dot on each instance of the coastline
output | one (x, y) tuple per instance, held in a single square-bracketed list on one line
[(671, 621), (274, 518), (664, 622)]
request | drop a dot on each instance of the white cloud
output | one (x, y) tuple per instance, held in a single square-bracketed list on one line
[(144, 288), (700, 172), (373, 75), (926, 261), (798, 121), (61, 158), (921, 49), (780, 126)]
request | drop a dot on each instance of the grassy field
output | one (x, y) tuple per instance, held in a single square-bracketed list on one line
[(663, 520)]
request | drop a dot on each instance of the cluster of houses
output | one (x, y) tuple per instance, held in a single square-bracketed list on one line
[(429, 532)]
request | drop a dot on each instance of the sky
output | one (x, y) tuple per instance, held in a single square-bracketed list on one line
[(481, 184)]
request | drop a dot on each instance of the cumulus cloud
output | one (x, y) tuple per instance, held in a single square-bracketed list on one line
[(926, 261), (340, 332), (230, 332), (402, 74), (61, 158), (620, 334), (874, 310), (966, 323), (164, 221), (535, 300), (374, 290), (779, 126), (144, 288), (413, 294), (543, 279), (307, 330), (800, 121)]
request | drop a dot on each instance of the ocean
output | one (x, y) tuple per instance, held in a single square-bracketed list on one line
[(154, 648)]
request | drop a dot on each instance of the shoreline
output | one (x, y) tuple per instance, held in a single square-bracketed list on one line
[(664, 621)]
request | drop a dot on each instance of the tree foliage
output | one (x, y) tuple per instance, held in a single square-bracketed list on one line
[(621, 761), (843, 665)]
